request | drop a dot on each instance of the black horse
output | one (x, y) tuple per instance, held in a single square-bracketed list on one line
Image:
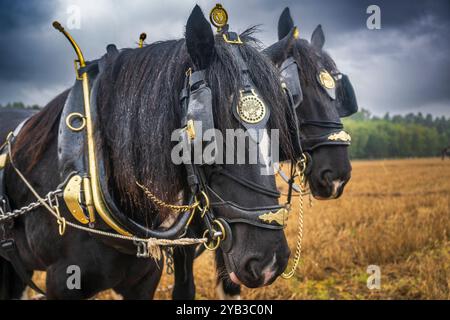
[(445, 152), (138, 109), (318, 115)]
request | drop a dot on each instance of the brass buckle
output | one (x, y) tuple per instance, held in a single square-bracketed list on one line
[(77, 66), (190, 129), (218, 236), (54, 204), (238, 41), (302, 164), (142, 249), (205, 208)]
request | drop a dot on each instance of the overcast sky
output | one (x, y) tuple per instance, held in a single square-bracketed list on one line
[(404, 67)]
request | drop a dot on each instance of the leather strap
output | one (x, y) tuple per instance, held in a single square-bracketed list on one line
[(322, 124), (245, 182), (9, 250)]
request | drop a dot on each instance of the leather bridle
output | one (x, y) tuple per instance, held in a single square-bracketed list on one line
[(221, 213), (333, 133)]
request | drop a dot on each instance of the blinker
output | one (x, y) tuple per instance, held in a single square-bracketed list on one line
[(199, 116), (291, 78)]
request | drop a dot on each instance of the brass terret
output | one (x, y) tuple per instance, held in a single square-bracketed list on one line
[(190, 129), (142, 38)]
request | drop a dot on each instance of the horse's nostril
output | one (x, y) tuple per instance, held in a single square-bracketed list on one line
[(253, 268), (325, 177)]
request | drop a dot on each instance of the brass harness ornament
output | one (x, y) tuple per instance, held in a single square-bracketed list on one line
[(218, 17), (280, 217), (326, 79), (251, 108), (340, 136)]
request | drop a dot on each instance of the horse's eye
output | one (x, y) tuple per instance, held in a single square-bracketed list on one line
[(336, 74)]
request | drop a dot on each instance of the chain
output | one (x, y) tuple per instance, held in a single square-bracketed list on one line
[(169, 260), (149, 246), (162, 204), (21, 211), (301, 165)]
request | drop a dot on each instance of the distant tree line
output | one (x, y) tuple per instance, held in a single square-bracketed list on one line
[(20, 105), (411, 135)]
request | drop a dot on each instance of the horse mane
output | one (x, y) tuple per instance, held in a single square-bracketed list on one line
[(138, 103), (38, 132)]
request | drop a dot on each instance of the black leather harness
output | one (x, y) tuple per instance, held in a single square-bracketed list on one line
[(196, 105), (290, 77)]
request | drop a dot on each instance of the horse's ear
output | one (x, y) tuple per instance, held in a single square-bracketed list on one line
[(279, 51), (199, 39), (285, 23), (318, 38)]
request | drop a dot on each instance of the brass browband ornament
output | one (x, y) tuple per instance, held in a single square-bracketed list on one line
[(280, 217), (218, 17), (340, 136)]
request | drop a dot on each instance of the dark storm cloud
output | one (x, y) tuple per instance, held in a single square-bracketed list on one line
[(19, 22), (348, 15), (22, 14), (402, 67)]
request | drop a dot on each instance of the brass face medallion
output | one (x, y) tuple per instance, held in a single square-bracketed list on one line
[(250, 108), (326, 79), (218, 16)]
